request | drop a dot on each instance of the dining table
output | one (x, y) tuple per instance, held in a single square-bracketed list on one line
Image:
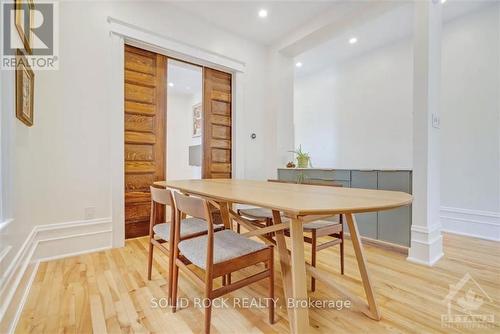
[(293, 205)]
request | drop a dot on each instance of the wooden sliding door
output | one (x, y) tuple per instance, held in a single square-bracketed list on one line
[(145, 131), (217, 129), (145, 77)]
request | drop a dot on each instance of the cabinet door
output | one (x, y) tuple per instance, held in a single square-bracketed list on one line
[(367, 222), (287, 175), (394, 225)]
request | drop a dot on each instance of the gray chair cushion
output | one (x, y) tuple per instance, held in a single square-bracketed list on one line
[(318, 224), (189, 226), (262, 213), (259, 213), (227, 245)]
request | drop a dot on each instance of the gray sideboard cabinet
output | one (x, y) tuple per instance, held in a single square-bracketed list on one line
[(391, 225)]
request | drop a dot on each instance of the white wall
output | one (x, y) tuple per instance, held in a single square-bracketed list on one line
[(351, 116), (61, 165), (280, 100), (470, 112)]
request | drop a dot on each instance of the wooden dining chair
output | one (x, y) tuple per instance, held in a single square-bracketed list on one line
[(161, 232), (262, 217), (218, 253)]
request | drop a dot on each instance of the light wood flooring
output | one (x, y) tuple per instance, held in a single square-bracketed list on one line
[(109, 292)]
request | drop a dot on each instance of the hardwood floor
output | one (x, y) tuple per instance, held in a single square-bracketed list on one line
[(108, 292)]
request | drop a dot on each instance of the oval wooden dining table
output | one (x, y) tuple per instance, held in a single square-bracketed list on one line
[(299, 203)]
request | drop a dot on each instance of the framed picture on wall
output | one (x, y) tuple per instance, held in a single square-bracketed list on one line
[(25, 85), (24, 21), (197, 120)]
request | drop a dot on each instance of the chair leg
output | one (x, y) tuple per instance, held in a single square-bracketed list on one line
[(271, 288), (171, 269), (208, 308), (150, 258), (174, 278), (313, 258), (229, 278), (238, 228), (342, 252), (224, 282)]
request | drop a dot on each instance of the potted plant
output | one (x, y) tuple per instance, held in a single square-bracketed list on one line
[(303, 158)]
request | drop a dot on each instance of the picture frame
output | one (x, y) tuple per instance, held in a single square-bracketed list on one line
[(29, 6), (197, 120), (25, 86)]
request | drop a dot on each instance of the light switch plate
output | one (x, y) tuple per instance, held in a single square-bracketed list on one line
[(89, 213), (436, 121)]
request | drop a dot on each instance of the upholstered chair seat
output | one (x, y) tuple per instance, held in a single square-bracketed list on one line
[(189, 226), (227, 245), (262, 213)]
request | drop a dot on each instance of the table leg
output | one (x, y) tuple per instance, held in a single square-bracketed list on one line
[(284, 257), (299, 284), (360, 257)]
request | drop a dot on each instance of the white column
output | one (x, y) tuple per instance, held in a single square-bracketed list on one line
[(426, 241)]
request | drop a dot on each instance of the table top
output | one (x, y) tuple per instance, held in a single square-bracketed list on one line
[(292, 199)]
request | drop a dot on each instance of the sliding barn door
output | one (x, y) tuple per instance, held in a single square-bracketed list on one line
[(145, 76), (217, 144)]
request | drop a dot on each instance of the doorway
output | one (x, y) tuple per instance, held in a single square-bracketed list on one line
[(178, 125), (184, 120)]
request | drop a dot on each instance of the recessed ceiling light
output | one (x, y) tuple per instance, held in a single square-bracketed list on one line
[(353, 40), (443, 1), (298, 64), (171, 84), (262, 13)]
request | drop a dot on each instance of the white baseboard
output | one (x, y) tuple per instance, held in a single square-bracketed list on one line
[(472, 223), (47, 242)]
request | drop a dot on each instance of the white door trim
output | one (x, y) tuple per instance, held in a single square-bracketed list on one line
[(120, 33), (152, 41)]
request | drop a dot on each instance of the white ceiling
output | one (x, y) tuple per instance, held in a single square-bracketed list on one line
[(285, 17), (385, 29), (186, 78), (241, 17)]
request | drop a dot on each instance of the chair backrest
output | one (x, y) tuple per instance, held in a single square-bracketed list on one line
[(161, 199), (311, 183), (192, 206), (161, 196)]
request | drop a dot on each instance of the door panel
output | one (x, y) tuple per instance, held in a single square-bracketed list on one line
[(139, 123), (144, 116), (141, 78), (217, 134), (138, 152), (219, 155), (138, 182), (139, 108), (221, 108)]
